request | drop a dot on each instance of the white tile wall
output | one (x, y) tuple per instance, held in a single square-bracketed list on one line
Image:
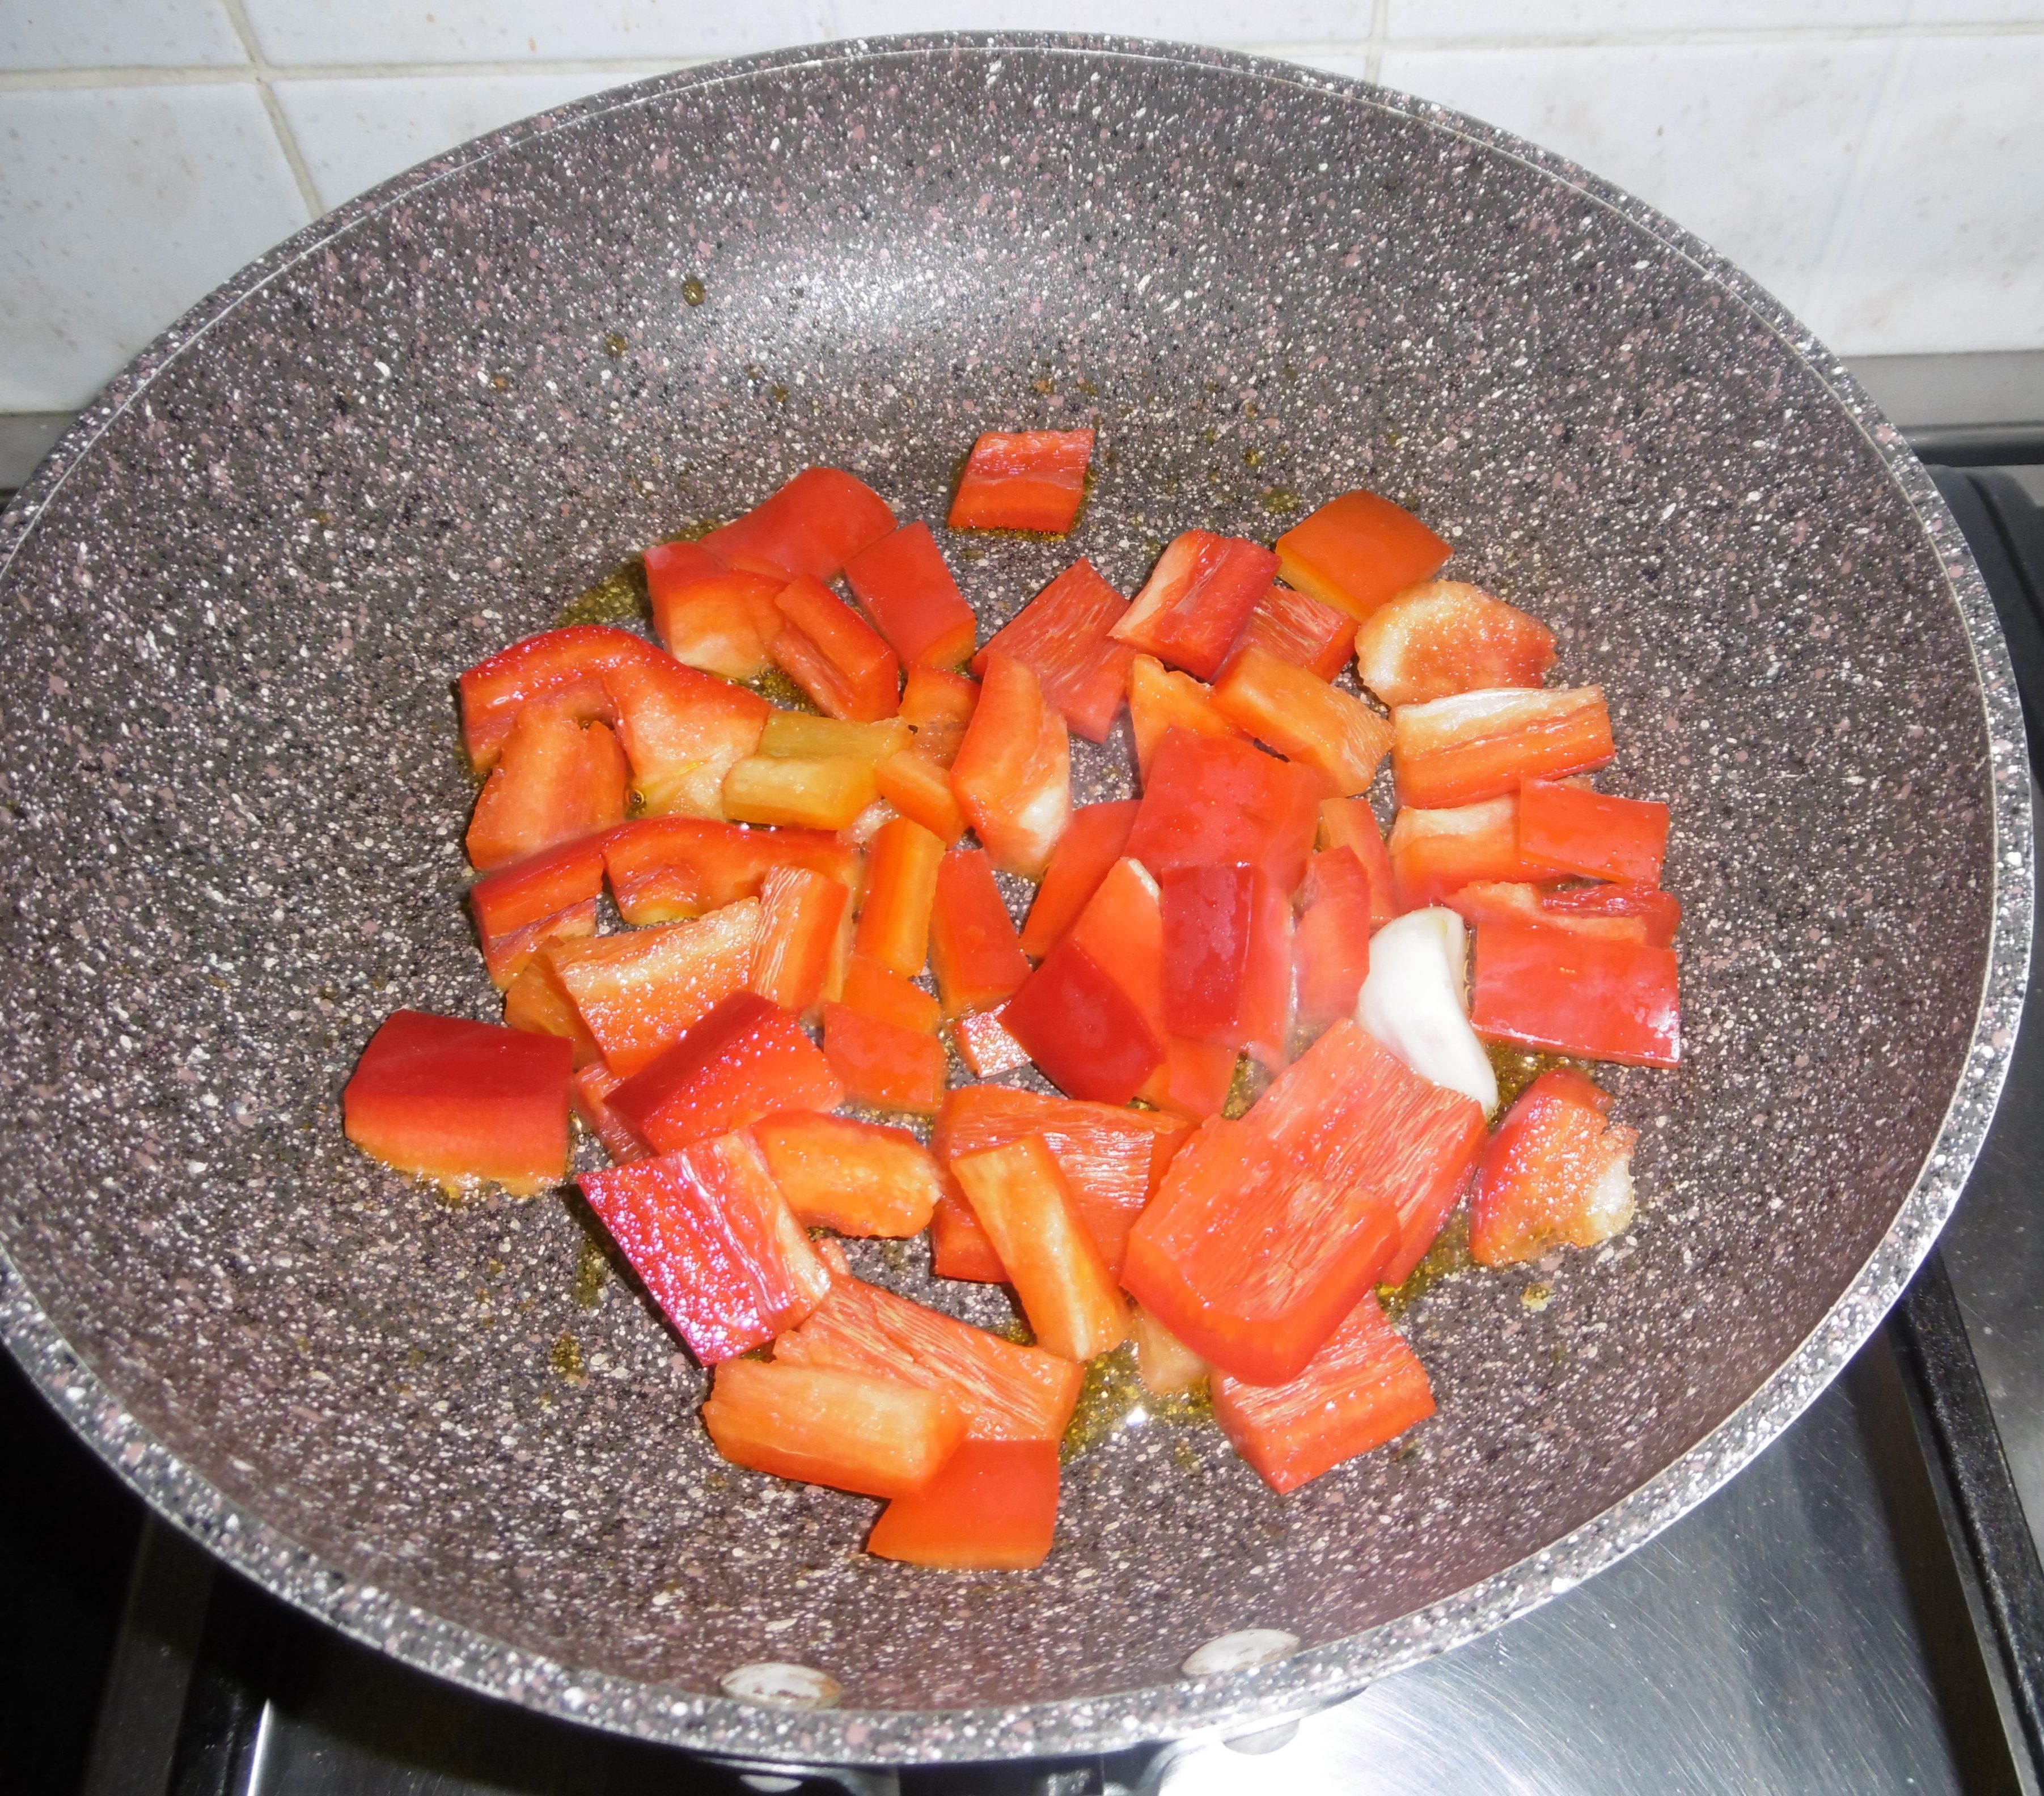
[(1879, 163)]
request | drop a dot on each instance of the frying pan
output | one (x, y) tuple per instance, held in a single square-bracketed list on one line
[(235, 597)]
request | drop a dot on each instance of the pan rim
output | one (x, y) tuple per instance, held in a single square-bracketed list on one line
[(1214, 1706)]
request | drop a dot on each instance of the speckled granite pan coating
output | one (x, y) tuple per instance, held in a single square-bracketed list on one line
[(235, 598)]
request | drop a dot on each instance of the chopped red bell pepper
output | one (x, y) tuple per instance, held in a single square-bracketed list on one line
[(1063, 634), (1159, 700), (1297, 627), (1350, 823), (1475, 745), (974, 951), (798, 952), (920, 789), (939, 704), (1433, 852), (1443, 637), (874, 991), (551, 897), (664, 869), (1357, 550), (641, 991), (707, 616), (535, 1003), (984, 1044), (812, 526), (710, 1235), (878, 1437), (1228, 958), (1557, 1170), (555, 781), (1557, 988), (1311, 723), (748, 1058), (1196, 600), (591, 1091), (901, 891), (1081, 1026), (834, 655), (681, 729), (882, 1064), (1112, 1160), (1268, 1231), (1364, 1387), (859, 1178), (1592, 833), (993, 1507), (1660, 912), (1007, 1391), (454, 1101), (906, 587), (1012, 775), (1033, 480), (1020, 1196), (1209, 801), (1092, 843), (1502, 901), (1330, 950), (830, 793)]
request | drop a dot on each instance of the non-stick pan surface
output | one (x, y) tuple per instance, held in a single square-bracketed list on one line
[(232, 604)]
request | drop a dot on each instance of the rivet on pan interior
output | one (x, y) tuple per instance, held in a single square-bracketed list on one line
[(793, 1687), (1238, 1651)]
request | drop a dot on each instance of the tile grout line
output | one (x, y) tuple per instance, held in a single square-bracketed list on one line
[(301, 172), (1380, 29), (1881, 125)]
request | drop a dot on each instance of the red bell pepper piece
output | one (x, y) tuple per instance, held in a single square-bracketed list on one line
[(1365, 1387), (639, 992), (664, 869), (1159, 700), (799, 950), (834, 655), (536, 1004), (1209, 802), (1475, 745), (1030, 480), (709, 1234), (1079, 1024), (812, 526), (901, 891), (458, 1102), (939, 703), (1444, 637), (1592, 833), (1357, 550), (974, 951), (748, 1058), (1574, 994), (555, 782), (1196, 600), (1659, 912), (551, 897), (1556, 1170), (590, 1091), (1164, 1363), (993, 1507), (1350, 823), (873, 991), (707, 616), (1330, 950), (1498, 901), (681, 729), (1007, 1391), (1020, 1196), (882, 1064), (1228, 958), (1063, 634), (920, 790), (984, 1044), (1268, 1231), (878, 1437), (1305, 718), (1112, 1160), (1012, 775), (1433, 852), (905, 587), (857, 1178), (1298, 628), (1092, 843)]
